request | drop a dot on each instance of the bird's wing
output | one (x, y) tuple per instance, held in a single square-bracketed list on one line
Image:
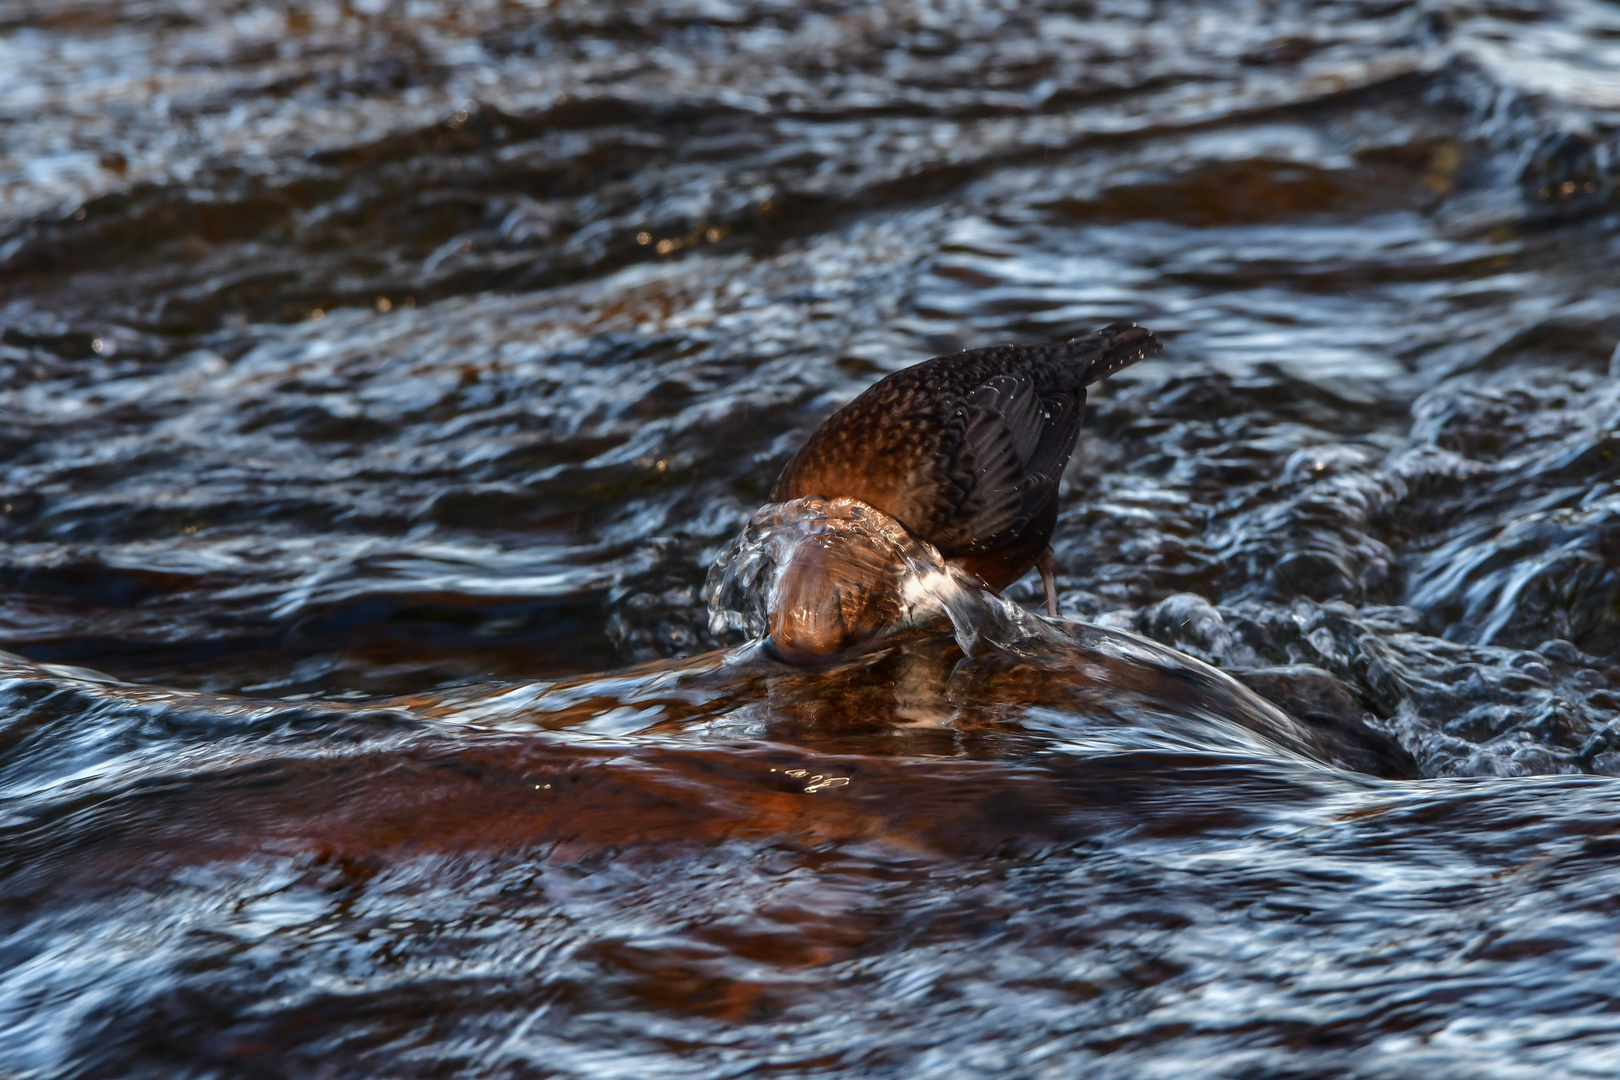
[(1013, 446)]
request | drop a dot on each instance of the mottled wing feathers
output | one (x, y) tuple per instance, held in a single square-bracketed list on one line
[(1059, 431), (1009, 407), (981, 454), (1013, 446)]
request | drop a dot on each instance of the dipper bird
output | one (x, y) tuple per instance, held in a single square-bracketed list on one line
[(965, 451)]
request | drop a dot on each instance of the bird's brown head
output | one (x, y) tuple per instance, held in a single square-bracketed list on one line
[(834, 593)]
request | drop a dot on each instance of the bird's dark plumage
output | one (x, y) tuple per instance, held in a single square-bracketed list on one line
[(966, 450)]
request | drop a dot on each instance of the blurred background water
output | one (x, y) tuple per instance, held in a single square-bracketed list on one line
[(372, 373)]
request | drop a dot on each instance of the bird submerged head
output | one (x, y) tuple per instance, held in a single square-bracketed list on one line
[(834, 593), (821, 577)]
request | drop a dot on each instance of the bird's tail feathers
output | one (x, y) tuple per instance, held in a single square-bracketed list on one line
[(1113, 348)]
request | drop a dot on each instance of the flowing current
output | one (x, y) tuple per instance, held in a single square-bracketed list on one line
[(375, 376)]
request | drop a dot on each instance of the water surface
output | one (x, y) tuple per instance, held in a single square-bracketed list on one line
[(375, 376)]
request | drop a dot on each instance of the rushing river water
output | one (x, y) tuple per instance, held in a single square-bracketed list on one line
[(374, 375)]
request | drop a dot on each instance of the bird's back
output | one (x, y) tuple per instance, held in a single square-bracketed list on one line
[(966, 450)]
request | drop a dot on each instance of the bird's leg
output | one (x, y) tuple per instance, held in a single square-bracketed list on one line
[(1048, 568)]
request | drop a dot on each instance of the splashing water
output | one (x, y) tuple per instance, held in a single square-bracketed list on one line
[(885, 582)]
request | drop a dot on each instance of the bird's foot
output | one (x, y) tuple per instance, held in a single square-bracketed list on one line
[(1048, 568)]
